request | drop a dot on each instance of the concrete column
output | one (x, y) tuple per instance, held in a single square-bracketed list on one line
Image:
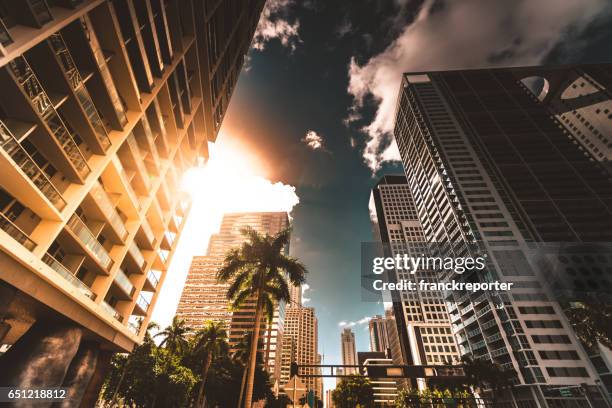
[(97, 379), (79, 374), (41, 357)]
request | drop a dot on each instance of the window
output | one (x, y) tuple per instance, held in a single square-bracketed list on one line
[(550, 339), (558, 355), (567, 372)]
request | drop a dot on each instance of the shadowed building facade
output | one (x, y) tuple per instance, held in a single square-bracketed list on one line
[(105, 104), (204, 299), (422, 321), (493, 171)]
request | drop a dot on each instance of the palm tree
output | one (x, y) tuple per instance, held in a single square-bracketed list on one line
[(212, 340), (257, 271), (241, 356), (174, 336), (147, 341), (174, 340)]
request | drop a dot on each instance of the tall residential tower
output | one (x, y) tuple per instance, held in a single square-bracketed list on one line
[(493, 172), (104, 105), (349, 352)]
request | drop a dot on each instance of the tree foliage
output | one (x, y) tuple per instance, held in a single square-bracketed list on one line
[(169, 375), (354, 392)]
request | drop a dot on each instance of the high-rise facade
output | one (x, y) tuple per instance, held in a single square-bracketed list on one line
[(104, 105), (204, 299), (493, 172), (300, 345), (349, 352), (422, 320), (379, 341)]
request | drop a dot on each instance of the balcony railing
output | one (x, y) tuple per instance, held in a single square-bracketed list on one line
[(153, 278), (105, 72), (23, 160), (111, 311), (14, 231), (78, 227), (137, 255), (66, 61), (31, 86), (58, 267), (63, 136), (163, 255), (102, 199), (143, 303), (124, 282)]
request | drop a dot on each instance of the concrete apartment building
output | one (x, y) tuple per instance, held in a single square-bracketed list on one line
[(104, 105), (492, 170), (349, 351), (422, 321), (379, 340), (300, 345), (204, 299)]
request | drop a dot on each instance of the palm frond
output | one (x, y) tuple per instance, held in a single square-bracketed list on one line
[(281, 240), (294, 268), (232, 264), (268, 305), (242, 279)]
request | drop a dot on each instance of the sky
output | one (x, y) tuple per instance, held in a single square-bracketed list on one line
[(308, 129)]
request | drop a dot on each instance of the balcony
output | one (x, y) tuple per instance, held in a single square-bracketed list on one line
[(143, 304), (28, 81), (23, 160), (105, 204), (122, 280), (138, 160), (58, 267), (89, 241), (163, 255), (16, 232), (148, 233), (111, 311), (127, 183), (499, 352), (137, 256), (152, 281), (65, 59)]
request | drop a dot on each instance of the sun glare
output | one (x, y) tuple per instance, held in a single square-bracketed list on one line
[(231, 181)]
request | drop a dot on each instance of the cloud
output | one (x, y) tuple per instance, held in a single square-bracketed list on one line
[(276, 24), (305, 287), (359, 322), (313, 140), (459, 34)]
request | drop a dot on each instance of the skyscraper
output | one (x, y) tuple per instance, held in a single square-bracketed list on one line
[(422, 320), (205, 299), (300, 345), (104, 106), (491, 171), (349, 353), (379, 341)]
